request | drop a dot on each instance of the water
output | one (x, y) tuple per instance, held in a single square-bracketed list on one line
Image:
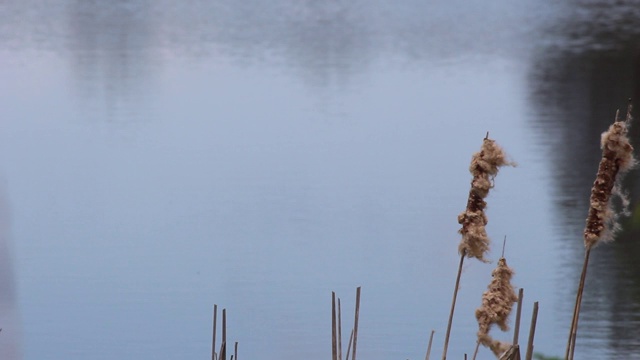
[(158, 158)]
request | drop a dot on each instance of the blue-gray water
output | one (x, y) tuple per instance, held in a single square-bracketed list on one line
[(159, 157)]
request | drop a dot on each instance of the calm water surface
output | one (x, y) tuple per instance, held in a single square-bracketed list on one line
[(160, 157)]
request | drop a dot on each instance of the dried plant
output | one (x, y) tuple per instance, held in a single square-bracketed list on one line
[(617, 159), (475, 242), (497, 303), (602, 224), (484, 167)]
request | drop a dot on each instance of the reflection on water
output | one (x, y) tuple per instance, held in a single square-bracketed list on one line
[(110, 51), (235, 189), (578, 81)]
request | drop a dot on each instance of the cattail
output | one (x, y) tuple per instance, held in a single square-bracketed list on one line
[(484, 167), (617, 159), (497, 303), (475, 242), (602, 220)]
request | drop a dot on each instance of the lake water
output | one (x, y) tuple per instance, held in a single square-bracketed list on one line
[(160, 157)]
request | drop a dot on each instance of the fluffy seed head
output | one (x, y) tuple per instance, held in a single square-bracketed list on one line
[(497, 303), (617, 159), (484, 167)]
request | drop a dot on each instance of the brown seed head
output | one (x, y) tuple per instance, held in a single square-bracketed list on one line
[(484, 167), (497, 303), (496, 346), (617, 159)]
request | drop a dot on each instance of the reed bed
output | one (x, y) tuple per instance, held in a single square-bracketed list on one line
[(336, 328), (499, 298)]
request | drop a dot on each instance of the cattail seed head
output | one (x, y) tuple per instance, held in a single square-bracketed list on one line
[(496, 346), (497, 303), (617, 159), (484, 167)]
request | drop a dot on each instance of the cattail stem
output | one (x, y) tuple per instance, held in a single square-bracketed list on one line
[(355, 323), (532, 331), (475, 352), (213, 341), (334, 342), (349, 345), (235, 350), (516, 330), (339, 331), (429, 346), (453, 307), (223, 353), (571, 344)]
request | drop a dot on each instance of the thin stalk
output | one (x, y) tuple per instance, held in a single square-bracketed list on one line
[(334, 344), (223, 351), (339, 331), (429, 346), (571, 345), (512, 354), (349, 345), (235, 350), (213, 341), (223, 354), (516, 330), (355, 323), (453, 307), (532, 331), (475, 352)]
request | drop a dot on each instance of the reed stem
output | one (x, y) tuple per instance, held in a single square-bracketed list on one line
[(223, 353), (235, 350), (571, 344), (355, 323), (339, 331), (429, 346), (475, 352), (532, 331), (453, 307), (213, 341), (349, 345), (516, 330), (334, 343), (512, 354)]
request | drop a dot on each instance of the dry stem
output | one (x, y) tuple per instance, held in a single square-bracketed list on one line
[(453, 307)]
